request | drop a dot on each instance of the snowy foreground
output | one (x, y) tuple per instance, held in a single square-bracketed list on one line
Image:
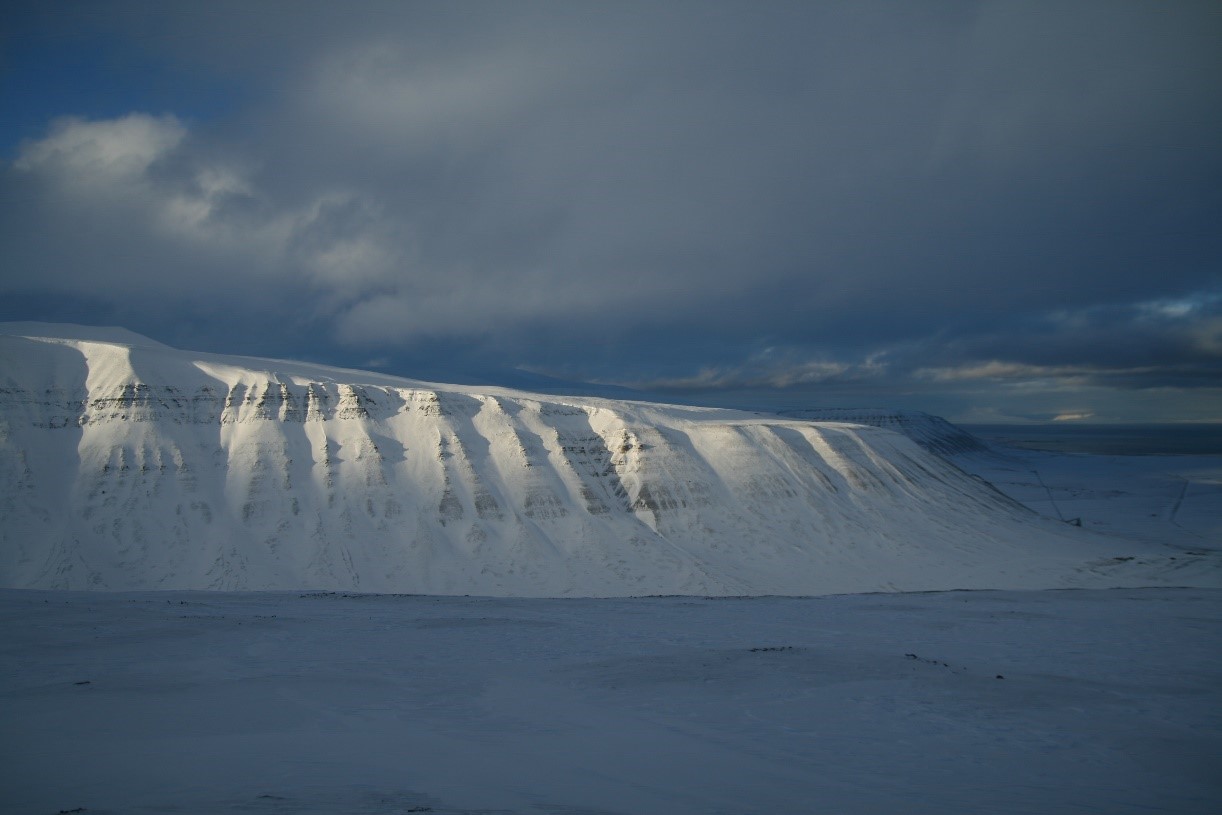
[(1111, 701)]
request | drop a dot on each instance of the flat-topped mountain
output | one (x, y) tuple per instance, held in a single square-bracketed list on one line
[(126, 464)]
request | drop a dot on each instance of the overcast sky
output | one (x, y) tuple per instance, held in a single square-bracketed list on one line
[(988, 210)]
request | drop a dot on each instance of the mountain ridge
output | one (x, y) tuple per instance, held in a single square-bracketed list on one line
[(931, 432), (140, 466)]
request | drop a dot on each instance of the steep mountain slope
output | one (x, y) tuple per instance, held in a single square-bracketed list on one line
[(133, 465)]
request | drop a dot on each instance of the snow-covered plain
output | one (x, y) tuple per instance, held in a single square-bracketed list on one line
[(1111, 702)]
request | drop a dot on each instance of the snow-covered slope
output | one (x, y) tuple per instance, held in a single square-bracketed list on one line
[(931, 432), (133, 465)]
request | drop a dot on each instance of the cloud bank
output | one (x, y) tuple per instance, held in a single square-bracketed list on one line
[(697, 197)]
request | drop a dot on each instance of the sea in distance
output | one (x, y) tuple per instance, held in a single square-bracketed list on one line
[(1107, 439)]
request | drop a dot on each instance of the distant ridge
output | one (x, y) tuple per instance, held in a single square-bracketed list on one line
[(931, 432), (126, 464)]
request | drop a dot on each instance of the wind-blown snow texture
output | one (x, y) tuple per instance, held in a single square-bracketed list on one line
[(125, 464), (1014, 703)]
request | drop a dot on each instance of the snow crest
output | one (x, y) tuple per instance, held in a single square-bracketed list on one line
[(931, 432)]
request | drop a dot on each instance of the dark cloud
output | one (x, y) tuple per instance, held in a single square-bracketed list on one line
[(701, 196)]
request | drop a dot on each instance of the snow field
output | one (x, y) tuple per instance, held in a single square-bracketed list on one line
[(188, 703)]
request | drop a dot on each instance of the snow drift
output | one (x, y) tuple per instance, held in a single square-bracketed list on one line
[(126, 464)]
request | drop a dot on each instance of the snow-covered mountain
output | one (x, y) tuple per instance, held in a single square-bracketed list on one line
[(127, 464)]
